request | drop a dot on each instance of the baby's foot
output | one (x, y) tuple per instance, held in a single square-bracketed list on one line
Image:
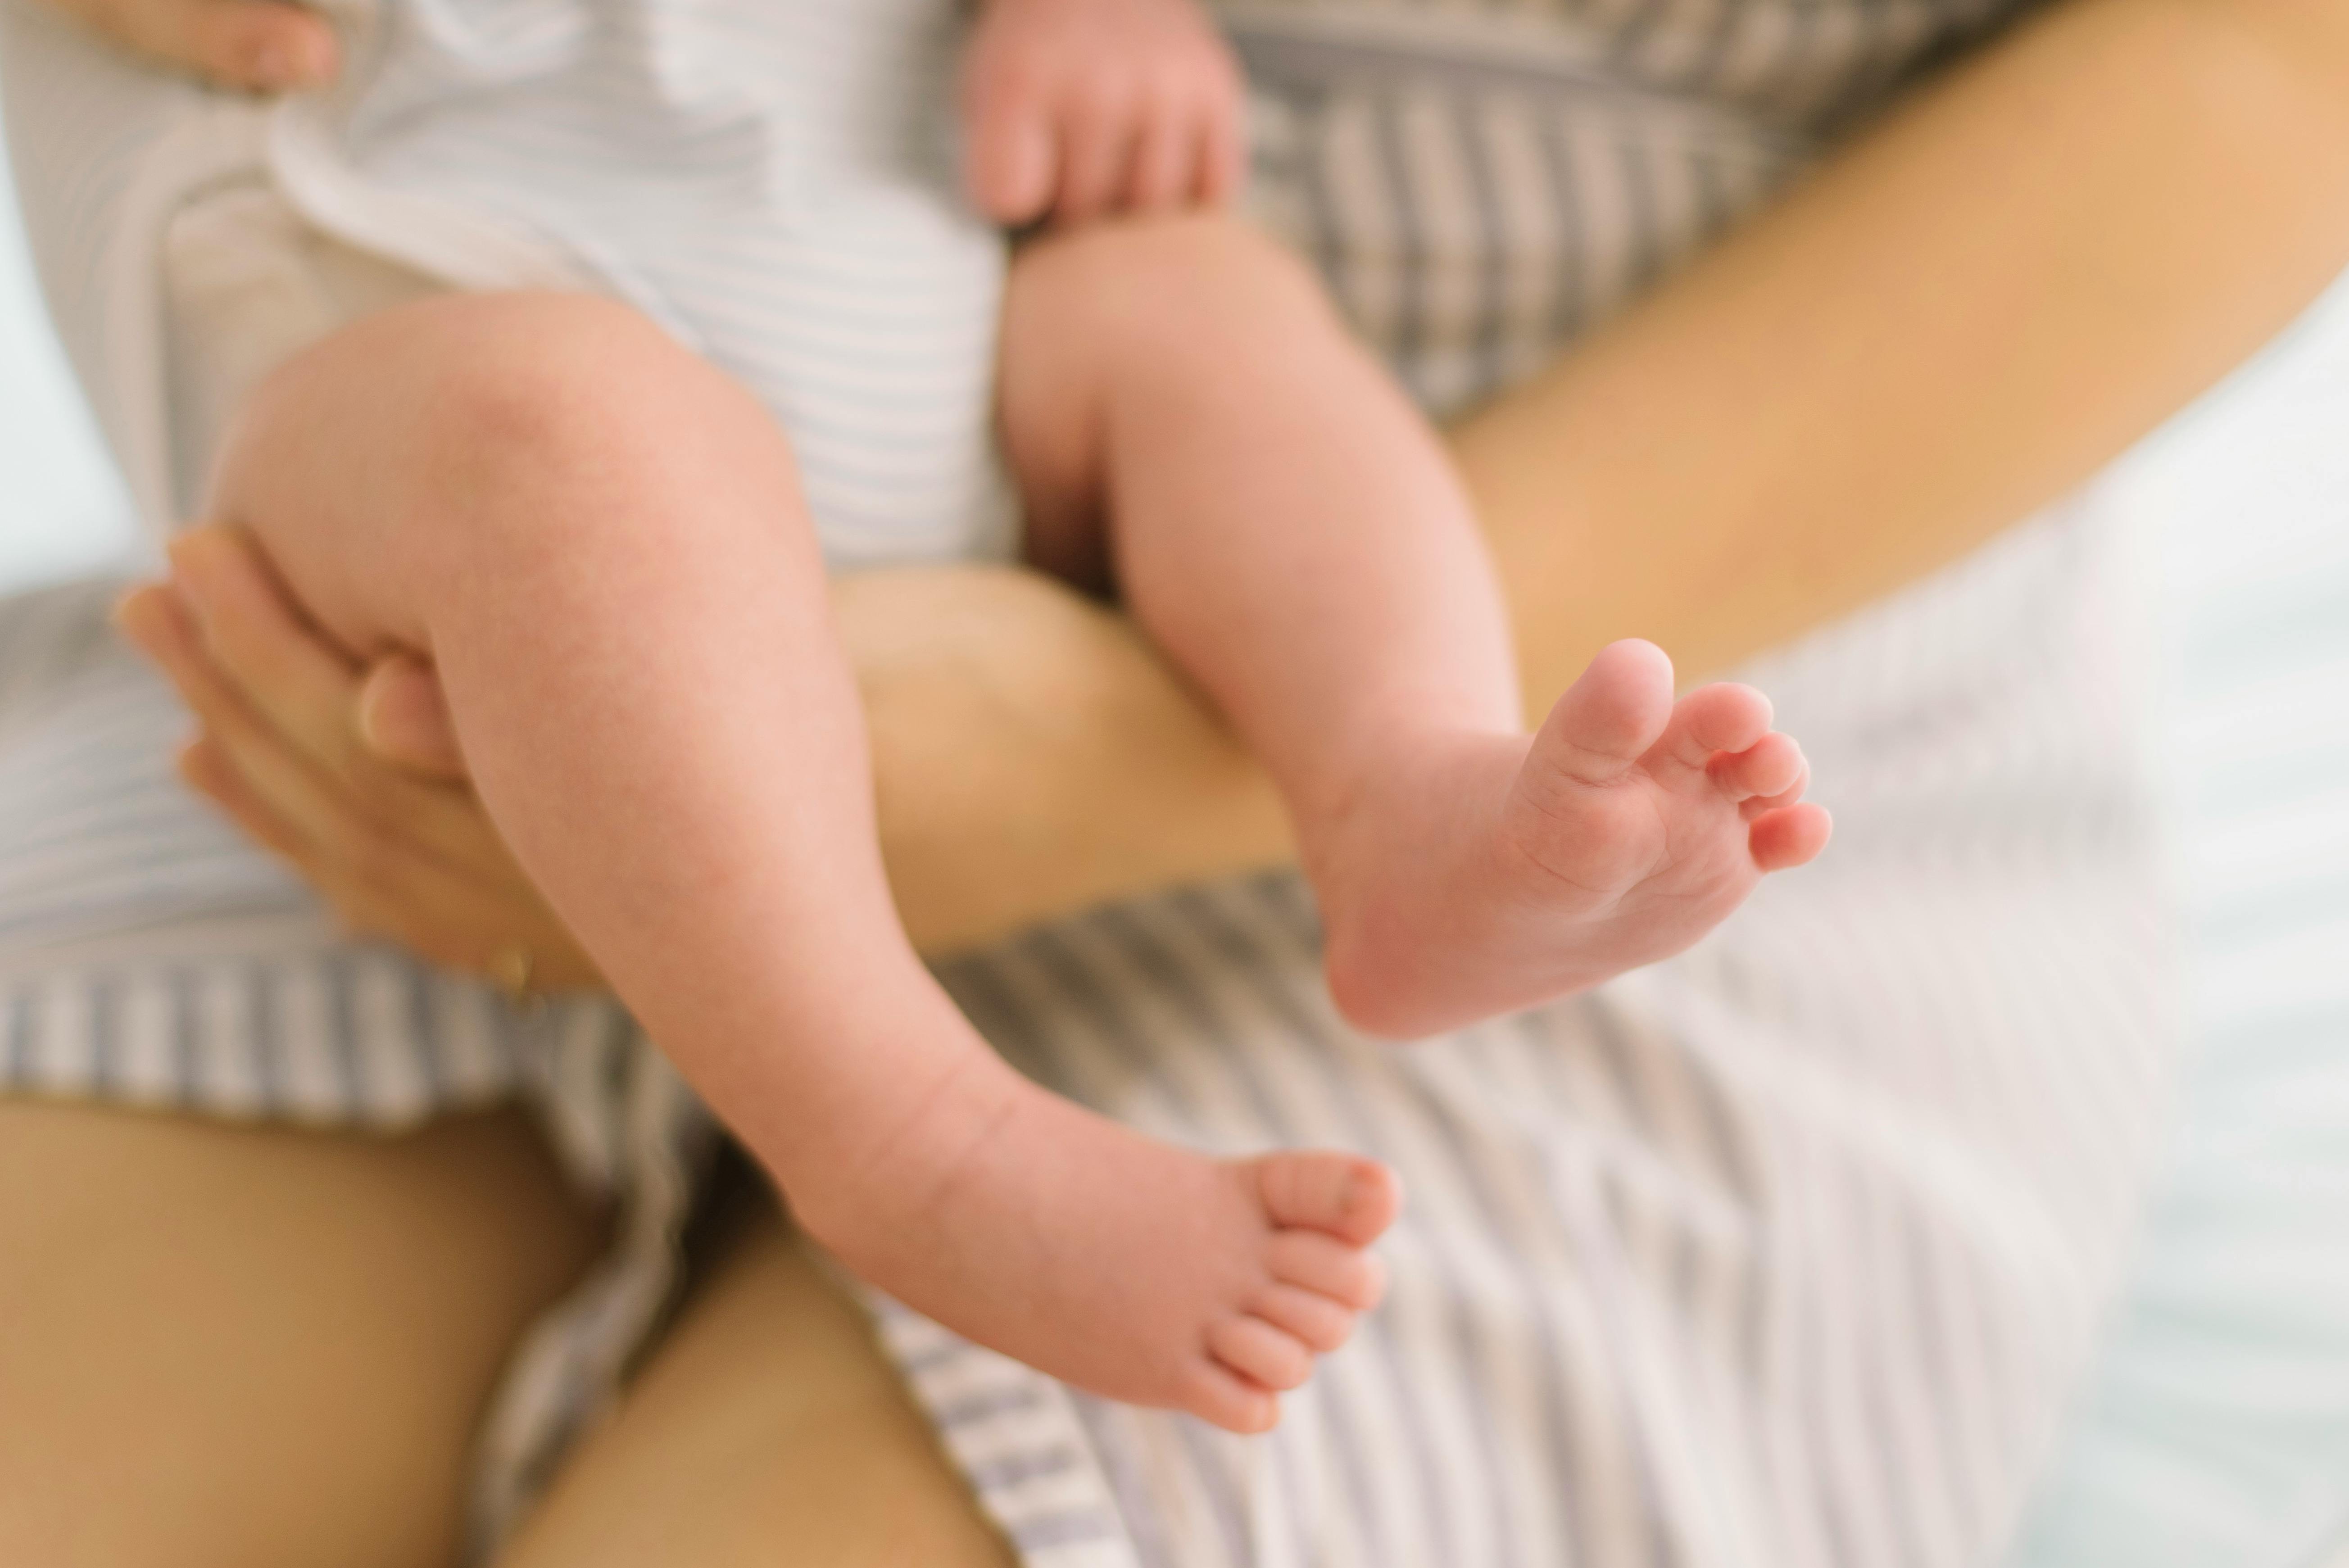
[(1505, 872), (1122, 1265)]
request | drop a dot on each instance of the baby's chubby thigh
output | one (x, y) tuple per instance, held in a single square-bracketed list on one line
[(460, 453)]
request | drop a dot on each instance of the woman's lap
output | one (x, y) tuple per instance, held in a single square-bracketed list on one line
[(279, 1350), (257, 1344), (767, 1415)]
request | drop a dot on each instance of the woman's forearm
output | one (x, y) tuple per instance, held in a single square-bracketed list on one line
[(1032, 755), (1963, 315)]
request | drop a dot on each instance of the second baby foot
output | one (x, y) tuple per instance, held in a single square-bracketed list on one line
[(1125, 1266), (1502, 872)]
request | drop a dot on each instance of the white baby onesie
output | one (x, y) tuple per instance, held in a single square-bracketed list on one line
[(771, 181)]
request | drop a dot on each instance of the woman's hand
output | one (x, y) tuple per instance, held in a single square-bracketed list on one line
[(252, 45), (351, 776), (1021, 733)]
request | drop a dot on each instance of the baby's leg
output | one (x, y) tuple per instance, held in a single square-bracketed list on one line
[(598, 539), (1287, 526)]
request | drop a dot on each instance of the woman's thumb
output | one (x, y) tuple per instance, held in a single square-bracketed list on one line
[(404, 719)]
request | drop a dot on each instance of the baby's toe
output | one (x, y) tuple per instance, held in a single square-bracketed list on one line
[(1708, 720), (1789, 836), (1221, 1397), (1327, 1266), (1770, 767), (1762, 805), (1610, 717), (1320, 1322), (1343, 1195), (1261, 1353)]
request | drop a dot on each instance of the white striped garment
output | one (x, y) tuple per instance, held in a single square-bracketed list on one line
[(1782, 1254), (767, 179)]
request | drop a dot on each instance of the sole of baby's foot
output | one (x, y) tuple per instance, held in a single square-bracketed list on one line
[(1124, 1266), (1500, 872)]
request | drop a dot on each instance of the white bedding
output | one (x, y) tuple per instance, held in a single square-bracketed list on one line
[(62, 509), (2215, 1431)]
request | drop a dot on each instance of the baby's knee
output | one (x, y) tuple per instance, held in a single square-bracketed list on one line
[(457, 433), (521, 377), (1174, 285), (463, 386), (454, 415)]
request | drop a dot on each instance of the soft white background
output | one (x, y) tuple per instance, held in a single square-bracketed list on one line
[(61, 508), (2218, 1432)]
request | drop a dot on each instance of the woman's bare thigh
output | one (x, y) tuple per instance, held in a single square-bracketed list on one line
[(766, 1429), (230, 1346)]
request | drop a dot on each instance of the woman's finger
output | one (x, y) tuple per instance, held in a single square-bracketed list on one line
[(159, 624), (404, 719), (423, 905), (205, 767), (289, 785), (293, 689), (368, 819), (296, 792), (364, 910), (418, 863), (298, 681)]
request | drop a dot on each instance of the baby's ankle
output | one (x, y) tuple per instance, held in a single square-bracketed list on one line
[(894, 1150)]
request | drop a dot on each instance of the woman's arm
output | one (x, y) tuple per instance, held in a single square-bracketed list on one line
[(1965, 313)]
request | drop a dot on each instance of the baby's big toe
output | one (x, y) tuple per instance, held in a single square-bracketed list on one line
[(1607, 718), (1342, 1195)]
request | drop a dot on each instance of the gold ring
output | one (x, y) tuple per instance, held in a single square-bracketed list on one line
[(511, 969)]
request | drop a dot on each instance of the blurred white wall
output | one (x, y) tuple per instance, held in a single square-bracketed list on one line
[(62, 509), (2214, 1432), (2247, 496)]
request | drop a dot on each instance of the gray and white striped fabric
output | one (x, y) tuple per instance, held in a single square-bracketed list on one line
[(763, 178), (1782, 1254)]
